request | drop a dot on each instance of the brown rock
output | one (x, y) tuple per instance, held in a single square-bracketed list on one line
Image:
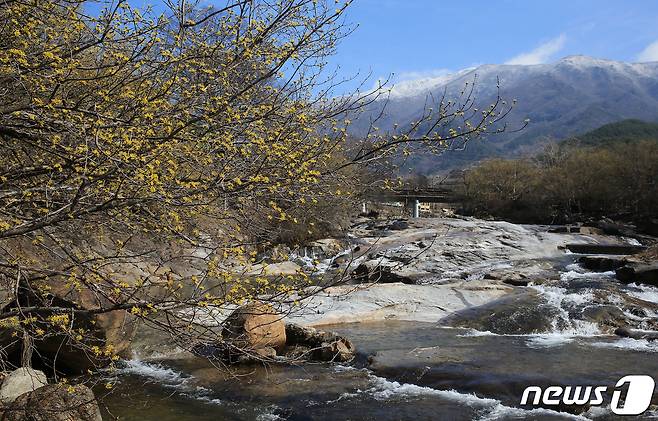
[(267, 352), (255, 326), (20, 381), (648, 256), (111, 330), (637, 272), (372, 271), (327, 246), (626, 332), (274, 269), (55, 402), (601, 264), (308, 342), (340, 350), (606, 316)]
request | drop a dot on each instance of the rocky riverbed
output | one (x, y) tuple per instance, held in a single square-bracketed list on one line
[(444, 269), (449, 316)]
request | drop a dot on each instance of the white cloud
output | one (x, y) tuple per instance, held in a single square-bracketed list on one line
[(541, 54), (650, 53)]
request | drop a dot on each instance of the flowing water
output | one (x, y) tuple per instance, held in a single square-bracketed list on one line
[(476, 368)]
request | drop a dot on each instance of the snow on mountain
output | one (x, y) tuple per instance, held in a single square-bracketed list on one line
[(423, 85), (573, 95)]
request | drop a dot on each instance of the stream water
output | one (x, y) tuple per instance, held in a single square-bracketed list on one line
[(422, 371)]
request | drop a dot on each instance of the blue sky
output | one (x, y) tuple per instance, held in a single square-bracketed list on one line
[(413, 39), (422, 38)]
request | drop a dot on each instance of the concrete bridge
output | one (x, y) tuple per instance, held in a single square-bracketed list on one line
[(413, 197)]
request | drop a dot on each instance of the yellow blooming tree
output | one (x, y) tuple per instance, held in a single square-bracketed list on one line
[(146, 153)]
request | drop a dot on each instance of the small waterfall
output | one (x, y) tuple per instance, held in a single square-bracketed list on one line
[(563, 301), (309, 259), (318, 262)]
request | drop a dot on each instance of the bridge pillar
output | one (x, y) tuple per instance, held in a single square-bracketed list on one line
[(414, 205), (416, 209)]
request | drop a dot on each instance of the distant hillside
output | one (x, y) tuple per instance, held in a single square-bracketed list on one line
[(624, 131), (561, 99)]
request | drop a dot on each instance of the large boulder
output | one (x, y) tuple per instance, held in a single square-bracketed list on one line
[(607, 317), (601, 263), (611, 227), (19, 381), (638, 272), (626, 332), (255, 326), (309, 343), (55, 402), (108, 331), (522, 313), (648, 256), (286, 268), (619, 249), (399, 225)]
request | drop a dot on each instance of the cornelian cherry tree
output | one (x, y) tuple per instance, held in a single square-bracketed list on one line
[(138, 145)]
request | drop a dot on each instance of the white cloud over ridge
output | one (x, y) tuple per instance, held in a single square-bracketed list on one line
[(650, 53), (541, 54)]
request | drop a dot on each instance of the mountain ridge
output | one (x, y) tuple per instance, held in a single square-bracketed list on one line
[(570, 96)]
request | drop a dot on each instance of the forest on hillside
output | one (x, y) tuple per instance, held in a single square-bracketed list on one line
[(611, 171)]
